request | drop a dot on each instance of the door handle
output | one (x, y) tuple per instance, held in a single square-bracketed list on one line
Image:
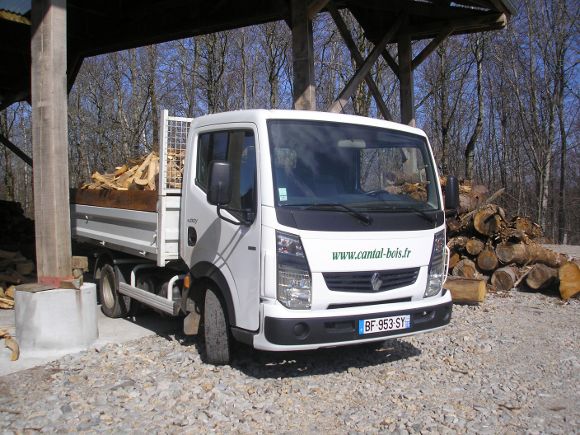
[(191, 236)]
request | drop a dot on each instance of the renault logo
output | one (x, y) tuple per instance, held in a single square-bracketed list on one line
[(376, 281)]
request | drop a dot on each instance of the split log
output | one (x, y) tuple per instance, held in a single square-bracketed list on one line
[(8, 255), (541, 277), (6, 304), (504, 278), (487, 260), (465, 290), (489, 220), (527, 226), (25, 267), (474, 246), (457, 243), (454, 226), (569, 275), (12, 278), (465, 269), (9, 292), (453, 260), (11, 344)]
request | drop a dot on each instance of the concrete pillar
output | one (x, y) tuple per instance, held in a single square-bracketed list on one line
[(50, 141), (406, 79), (55, 319), (303, 57)]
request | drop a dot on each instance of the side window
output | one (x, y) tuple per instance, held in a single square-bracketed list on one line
[(238, 148), (211, 146)]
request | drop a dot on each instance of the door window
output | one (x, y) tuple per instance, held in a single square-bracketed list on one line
[(238, 148)]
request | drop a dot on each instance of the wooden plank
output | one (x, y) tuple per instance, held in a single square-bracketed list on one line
[(431, 47), (140, 200)]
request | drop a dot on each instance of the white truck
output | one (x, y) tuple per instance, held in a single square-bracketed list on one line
[(284, 230)]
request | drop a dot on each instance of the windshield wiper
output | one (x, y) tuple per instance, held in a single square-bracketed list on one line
[(365, 219), (394, 209)]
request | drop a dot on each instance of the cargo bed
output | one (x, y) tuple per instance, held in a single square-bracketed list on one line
[(141, 223)]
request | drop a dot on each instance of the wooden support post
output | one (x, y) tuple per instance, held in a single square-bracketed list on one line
[(406, 79), (346, 36), (50, 141), (303, 57), (364, 69)]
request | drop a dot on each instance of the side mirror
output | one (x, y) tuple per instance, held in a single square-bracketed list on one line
[(219, 189), (452, 193)]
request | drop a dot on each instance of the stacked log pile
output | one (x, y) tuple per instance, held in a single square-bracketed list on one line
[(140, 174), (487, 246), (14, 269), (16, 230), (16, 251)]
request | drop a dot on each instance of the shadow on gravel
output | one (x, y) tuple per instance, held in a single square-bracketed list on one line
[(263, 365)]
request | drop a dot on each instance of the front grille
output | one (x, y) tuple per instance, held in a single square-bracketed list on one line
[(361, 282), (362, 304)]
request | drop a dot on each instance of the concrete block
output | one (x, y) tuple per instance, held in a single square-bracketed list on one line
[(56, 319)]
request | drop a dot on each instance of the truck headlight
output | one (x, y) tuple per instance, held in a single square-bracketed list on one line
[(294, 282), (437, 266)]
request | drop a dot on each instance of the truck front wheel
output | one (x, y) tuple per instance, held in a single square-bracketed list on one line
[(112, 303), (215, 330)]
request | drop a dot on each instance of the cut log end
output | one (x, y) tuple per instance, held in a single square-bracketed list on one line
[(569, 276), (465, 290)]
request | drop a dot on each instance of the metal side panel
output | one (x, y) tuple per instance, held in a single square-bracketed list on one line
[(150, 299), (169, 226), (134, 230)]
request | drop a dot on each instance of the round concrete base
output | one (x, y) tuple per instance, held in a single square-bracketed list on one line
[(57, 319)]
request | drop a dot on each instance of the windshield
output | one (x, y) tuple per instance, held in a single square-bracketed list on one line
[(320, 164)]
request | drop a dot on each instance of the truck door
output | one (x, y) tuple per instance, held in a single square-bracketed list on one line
[(233, 249)]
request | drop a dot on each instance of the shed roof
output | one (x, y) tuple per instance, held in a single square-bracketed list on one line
[(110, 25)]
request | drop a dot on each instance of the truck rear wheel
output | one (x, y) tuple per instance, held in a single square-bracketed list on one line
[(112, 303), (215, 330)]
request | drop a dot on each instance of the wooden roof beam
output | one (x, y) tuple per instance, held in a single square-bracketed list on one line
[(347, 37), (363, 70), (23, 156), (315, 7), (431, 47)]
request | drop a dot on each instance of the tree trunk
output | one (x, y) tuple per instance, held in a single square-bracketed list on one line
[(509, 253), (474, 246), (465, 269), (541, 277), (569, 275), (504, 278), (489, 220), (487, 260), (466, 290)]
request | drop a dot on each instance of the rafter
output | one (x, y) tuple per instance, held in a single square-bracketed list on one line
[(347, 37)]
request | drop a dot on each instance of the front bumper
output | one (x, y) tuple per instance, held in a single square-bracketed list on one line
[(301, 333)]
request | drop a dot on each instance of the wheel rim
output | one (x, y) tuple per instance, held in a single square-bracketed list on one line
[(108, 297)]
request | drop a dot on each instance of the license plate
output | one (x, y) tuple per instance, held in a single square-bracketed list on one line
[(382, 324)]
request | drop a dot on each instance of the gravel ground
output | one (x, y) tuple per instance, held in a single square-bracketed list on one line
[(509, 366)]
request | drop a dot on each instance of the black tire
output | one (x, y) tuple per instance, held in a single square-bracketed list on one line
[(113, 304), (216, 330)]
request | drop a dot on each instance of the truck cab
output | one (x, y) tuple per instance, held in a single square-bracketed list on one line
[(312, 229)]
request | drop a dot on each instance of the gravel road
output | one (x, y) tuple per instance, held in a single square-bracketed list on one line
[(509, 366)]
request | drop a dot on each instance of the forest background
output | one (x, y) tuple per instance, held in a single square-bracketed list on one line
[(500, 108)]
